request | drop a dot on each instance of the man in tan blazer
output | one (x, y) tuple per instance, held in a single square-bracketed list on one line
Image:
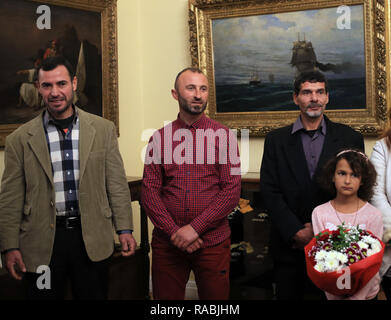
[(63, 189)]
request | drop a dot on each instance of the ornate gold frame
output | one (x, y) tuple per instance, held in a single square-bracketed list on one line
[(108, 12), (369, 121)]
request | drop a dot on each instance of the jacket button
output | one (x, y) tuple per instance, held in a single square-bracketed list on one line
[(51, 204), (52, 225)]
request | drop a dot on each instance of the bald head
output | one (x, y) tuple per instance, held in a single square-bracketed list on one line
[(191, 91), (191, 69)]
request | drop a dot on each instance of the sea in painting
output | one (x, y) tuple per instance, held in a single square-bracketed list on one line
[(278, 96)]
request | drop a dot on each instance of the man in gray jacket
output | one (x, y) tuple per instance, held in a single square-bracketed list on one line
[(63, 188)]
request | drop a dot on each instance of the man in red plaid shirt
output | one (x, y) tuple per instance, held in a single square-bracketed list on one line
[(191, 183)]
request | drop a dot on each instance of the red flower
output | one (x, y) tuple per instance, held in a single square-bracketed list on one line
[(352, 259), (355, 246), (324, 236)]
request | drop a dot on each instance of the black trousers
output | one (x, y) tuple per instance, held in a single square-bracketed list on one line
[(69, 264), (386, 285)]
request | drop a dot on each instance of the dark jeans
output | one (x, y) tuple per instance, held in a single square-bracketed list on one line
[(69, 263)]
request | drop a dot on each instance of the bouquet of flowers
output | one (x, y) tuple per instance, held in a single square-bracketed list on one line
[(350, 254)]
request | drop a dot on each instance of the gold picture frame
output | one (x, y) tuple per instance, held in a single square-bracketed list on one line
[(207, 16), (99, 47)]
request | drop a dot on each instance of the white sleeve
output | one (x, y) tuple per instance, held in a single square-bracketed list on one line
[(379, 200)]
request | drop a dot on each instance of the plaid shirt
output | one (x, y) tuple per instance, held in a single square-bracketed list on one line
[(200, 190), (64, 155)]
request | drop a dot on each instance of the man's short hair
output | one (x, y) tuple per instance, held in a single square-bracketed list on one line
[(192, 69), (51, 63), (310, 76)]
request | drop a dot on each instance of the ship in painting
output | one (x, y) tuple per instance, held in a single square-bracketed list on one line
[(304, 58), (255, 80)]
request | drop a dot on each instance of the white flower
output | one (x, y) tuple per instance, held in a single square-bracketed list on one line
[(332, 264), (342, 257), (321, 255), (320, 267), (363, 245), (369, 240), (332, 255), (376, 247)]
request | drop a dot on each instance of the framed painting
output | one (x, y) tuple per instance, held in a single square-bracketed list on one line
[(83, 31), (251, 52)]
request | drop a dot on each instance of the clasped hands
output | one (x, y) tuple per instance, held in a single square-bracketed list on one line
[(186, 239), (303, 236)]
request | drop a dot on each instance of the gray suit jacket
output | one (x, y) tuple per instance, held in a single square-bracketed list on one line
[(27, 198)]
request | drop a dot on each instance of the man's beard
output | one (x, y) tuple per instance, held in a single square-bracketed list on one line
[(314, 114), (69, 103), (189, 109)]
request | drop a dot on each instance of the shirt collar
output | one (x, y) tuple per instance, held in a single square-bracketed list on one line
[(298, 126), (48, 119), (200, 123)]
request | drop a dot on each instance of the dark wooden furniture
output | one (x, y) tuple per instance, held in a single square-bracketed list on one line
[(251, 276), (128, 276), (250, 181), (141, 263)]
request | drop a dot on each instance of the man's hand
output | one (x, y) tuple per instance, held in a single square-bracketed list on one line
[(184, 237), (14, 264), (128, 244), (195, 246), (303, 236)]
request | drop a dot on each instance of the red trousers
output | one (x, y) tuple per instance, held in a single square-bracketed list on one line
[(171, 269)]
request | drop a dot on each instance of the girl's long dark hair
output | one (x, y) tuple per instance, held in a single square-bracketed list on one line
[(360, 165)]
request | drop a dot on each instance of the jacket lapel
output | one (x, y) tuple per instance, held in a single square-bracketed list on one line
[(39, 146), (330, 146), (87, 135), (296, 159)]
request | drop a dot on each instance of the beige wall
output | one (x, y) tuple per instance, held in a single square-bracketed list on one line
[(152, 47)]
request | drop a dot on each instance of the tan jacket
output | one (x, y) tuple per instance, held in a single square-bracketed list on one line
[(27, 199)]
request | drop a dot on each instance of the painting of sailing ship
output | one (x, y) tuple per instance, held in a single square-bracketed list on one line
[(255, 80), (75, 34), (282, 45)]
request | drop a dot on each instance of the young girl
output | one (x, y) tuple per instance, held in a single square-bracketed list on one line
[(350, 178)]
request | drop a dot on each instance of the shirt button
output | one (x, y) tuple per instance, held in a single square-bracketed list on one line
[(70, 191), (68, 173), (67, 155)]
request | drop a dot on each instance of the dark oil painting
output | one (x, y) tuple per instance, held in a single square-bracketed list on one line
[(256, 59), (73, 33)]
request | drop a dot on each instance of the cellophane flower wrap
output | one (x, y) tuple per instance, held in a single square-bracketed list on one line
[(329, 253)]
